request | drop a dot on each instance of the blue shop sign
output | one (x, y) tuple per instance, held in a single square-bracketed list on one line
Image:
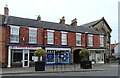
[(50, 56), (65, 56)]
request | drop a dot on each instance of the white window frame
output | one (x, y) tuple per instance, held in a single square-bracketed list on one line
[(35, 29), (101, 42), (14, 34), (62, 40), (89, 41), (78, 39), (51, 39)]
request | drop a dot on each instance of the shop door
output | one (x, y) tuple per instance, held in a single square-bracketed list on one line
[(25, 58)]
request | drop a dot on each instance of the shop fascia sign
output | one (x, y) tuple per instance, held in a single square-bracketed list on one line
[(22, 47)]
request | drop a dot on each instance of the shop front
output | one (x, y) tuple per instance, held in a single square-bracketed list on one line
[(58, 56), (21, 56), (97, 55)]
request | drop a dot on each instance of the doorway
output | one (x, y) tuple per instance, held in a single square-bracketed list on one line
[(25, 62), (76, 56)]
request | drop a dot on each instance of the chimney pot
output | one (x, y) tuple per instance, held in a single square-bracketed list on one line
[(38, 18), (74, 22), (62, 20), (6, 10)]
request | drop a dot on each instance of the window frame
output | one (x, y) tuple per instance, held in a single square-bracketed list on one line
[(101, 36), (34, 29), (11, 30), (49, 38), (89, 40), (79, 39), (62, 39)]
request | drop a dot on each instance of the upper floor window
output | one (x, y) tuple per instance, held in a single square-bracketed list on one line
[(50, 38), (101, 40), (64, 38), (32, 35), (14, 35), (90, 40), (78, 39)]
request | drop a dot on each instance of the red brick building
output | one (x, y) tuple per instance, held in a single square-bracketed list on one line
[(20, 37)]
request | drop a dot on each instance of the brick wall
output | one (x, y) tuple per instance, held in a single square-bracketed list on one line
[(96, 41), (8, 34), (3, 49), (24, 33), (40, 36), (71, 38), (83, 40), (57, 38), (45, 37)]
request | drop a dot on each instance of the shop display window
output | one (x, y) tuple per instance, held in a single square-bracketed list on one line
[(50, 57), (98, 57), (63, 57), (57, 56), (31, 55), (17, 56)]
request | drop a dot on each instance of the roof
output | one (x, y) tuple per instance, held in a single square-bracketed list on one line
[(18, 21), (93, 23), (90, 23)]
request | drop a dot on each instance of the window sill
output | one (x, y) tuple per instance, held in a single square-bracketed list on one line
[(90, 45), (32, 43), (50, 44), (78, 45), (14, 42), (101, 46), (64, 45)]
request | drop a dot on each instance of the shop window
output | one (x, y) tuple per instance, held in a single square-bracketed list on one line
[(50, 56), (14, 37), (63, 57), (17, 56), (31, 55), (32, 35), (64, 38), (92, 57), (78, 39), (90, 40), (98, 57), (101, 41), (50, 36)]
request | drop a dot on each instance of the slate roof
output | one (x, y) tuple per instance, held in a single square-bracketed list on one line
[(18, 21), (90, 23), (93, 23)]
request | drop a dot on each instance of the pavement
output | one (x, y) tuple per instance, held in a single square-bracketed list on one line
[(58, 68)]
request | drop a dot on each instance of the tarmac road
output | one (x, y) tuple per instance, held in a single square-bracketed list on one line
[(111, 71)]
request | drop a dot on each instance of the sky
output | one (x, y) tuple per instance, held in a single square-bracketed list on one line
[(52, 10)]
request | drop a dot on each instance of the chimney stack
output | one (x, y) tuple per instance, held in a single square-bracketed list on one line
[(74, 22), (6, 10), (39, 18), (62, 20)]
